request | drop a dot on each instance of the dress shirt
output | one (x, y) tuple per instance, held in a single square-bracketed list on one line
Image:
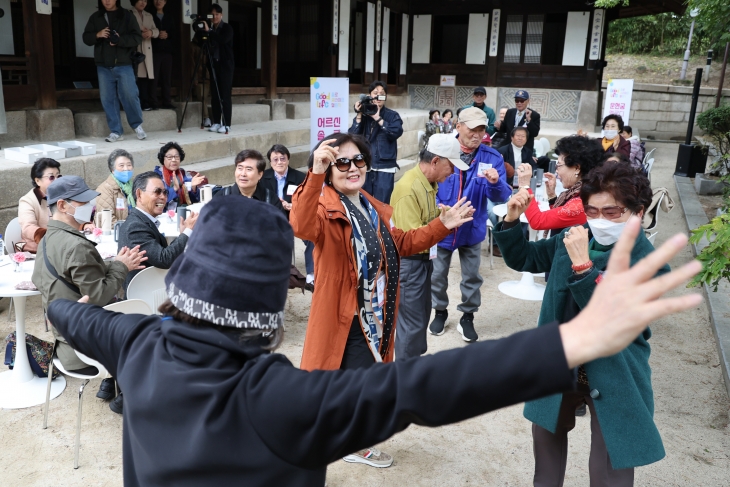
[(280, 183)]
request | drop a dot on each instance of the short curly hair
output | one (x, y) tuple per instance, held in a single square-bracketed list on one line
[(617, 118), (627, 184), (165, 148), (580, 151)]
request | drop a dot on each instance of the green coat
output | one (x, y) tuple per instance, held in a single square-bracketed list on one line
[(491, 117), (625, 405), (76, 259)]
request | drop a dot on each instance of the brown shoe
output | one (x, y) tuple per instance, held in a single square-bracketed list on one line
[(496, 252)]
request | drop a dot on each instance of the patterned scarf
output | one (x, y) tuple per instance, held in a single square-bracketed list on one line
[(370, 241), (127, 190), (176, 180), (568, 195)]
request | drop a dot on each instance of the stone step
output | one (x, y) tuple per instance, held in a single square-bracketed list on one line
[(244, 113), (299, 109)]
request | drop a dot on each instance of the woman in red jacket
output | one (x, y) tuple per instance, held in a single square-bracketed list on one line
[(577, 155)]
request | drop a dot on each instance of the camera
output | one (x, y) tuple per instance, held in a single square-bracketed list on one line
[(114, 37), (199, 22), (367, 106)]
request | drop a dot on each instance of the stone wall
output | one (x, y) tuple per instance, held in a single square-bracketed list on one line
[(662, 111)]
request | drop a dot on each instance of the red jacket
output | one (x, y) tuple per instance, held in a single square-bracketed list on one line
[(318, 215), (568, 215)]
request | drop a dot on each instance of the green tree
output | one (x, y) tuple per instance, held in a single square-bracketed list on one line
[(713, 16)]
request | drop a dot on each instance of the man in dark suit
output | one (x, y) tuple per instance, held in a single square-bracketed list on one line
[(517, 152), (140, 228), (521, 116)]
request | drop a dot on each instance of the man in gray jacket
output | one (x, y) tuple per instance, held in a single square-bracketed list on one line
[(68, 265)]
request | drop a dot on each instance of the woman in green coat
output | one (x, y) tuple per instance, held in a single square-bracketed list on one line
[(616, 389)]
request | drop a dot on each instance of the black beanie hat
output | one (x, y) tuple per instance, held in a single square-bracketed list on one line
[(235, 269)]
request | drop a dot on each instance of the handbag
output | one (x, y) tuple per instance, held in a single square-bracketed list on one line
[(40, 354), (137, 58)]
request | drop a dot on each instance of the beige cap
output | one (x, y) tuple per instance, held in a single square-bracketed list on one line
[(473, 117), (447, 146)]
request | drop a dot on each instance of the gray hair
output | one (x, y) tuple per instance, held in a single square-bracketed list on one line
[(116, 154)]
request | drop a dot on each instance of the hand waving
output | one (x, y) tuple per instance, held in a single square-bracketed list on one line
[(324, 156), (457, 215)]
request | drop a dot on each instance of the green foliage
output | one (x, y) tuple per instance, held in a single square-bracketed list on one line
[(715, 122), (715, 257), (713, 17), (610, 3), (663, 34)]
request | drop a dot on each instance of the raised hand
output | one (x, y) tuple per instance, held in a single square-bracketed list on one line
[(524, 174), (517, 205), (324, 156), (132, 258), (492, 175), (628, 299), (576, 243), (550, 182), (190, 220), (457, 215)]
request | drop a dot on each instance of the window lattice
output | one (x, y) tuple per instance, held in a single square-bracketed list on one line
[(533, 40), (513, 39)]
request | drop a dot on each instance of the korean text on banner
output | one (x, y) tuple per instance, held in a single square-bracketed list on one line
[(618, 98), (330, 107)]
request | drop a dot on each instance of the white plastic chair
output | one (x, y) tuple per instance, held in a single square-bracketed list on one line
[(539, 150), (648, 167), (545, 145), (648, 155), (101, 372), (12, 235), (651, 237), (149, 286), (130, 306), (490, 231)]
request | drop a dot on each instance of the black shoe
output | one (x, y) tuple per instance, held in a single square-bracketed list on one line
[(466, 328), (117, 404), (438, 325), (106, 390), (581, 411), (309, 287)]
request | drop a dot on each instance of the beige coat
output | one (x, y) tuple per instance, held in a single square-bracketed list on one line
[(109, 191), (33, 214), (146, 69)]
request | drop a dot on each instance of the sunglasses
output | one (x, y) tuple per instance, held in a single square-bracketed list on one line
[(51, 177), (158, 192), (343, 163), (610, 212)]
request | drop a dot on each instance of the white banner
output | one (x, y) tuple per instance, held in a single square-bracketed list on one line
[(43, 7), (618, 98), (274, 17), (329, 101), (596, 35), (494, 40)]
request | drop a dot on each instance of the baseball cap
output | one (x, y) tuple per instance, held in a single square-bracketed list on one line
[(480, 89), (473, 117), (71, 188), (522, 94), (446, 146)]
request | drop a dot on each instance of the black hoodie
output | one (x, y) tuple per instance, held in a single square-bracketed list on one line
[(200, 409)]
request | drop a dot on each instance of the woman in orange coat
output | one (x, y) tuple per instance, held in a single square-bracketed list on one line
[(356, 262)]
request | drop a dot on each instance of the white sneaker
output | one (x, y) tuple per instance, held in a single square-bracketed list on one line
[(141, 135), (224, 129), (114, 137), (310, 278), (370, 456), (214, 127), (206, 122)]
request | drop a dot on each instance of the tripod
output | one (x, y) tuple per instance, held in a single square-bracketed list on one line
[(204, 51)]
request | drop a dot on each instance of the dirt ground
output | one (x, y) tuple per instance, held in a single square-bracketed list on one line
[(663, 70), (494, 449)]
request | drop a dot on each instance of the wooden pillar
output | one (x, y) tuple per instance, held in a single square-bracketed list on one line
[(38, 33), (269, 51)]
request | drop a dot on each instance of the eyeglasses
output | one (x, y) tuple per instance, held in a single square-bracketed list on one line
[(172, 158), (343, 163), (158, 192), (50, 177), (610, 212)]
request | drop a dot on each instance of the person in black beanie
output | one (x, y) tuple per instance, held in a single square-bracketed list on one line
[(208, 404)]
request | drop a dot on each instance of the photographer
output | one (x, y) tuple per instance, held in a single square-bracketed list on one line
[(220, 41), (381, 127), (115, 36)]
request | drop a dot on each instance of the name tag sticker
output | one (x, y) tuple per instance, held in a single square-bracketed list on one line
[(121, 204), (381, 290), (432, 252), (483, 166), (290, 189)]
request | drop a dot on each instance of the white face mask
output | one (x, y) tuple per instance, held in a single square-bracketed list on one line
[(610, 134), (82, 214), (606, 232)]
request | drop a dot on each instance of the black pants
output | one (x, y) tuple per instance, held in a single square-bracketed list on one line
[(144, 85), (224, 78), (163, 79), (357, 353)]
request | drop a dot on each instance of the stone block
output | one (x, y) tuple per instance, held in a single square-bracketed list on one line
[(669, 116), (248, 113), (293, 137), (192, 113), (673, 127), (674, 106), (587, 110), (15, 180), (298, 110), (206, 150), (277, 108), (649, 96), (644, 125), (705, 185), (6, 215), (299, 156), (50, 125), (261, 142), (96, 168), (16, 127), (93, 124)]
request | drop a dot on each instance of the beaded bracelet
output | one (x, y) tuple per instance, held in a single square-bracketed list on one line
[(582, 267)]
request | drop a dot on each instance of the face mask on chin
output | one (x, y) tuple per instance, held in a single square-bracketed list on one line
[(610, 134), (82, 214), (604, 231)]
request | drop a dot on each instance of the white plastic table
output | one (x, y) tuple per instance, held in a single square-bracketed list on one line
[(20, 388)]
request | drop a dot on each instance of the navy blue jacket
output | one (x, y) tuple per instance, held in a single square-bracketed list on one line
[(383, 140), (477, 190), (203, 409)]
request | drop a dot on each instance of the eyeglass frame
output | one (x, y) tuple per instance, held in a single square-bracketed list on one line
[(157, 191), (600, 211), (350, 162), (172, 157), (51, 177)]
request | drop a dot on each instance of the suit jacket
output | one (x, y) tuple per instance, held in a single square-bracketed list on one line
[(138, 229), (533, 127), (509, 155), (293, 177)]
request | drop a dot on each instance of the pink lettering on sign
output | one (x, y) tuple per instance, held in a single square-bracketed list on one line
[(320, 135)]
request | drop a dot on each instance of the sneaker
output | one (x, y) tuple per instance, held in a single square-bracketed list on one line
[(114, 137), (206, 122), (370, 456), (581, 411), (141, 135), (148, 109), (224, 129), (117, 404), (438, 325), (466, 328), (106, 390), (214, 127)]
